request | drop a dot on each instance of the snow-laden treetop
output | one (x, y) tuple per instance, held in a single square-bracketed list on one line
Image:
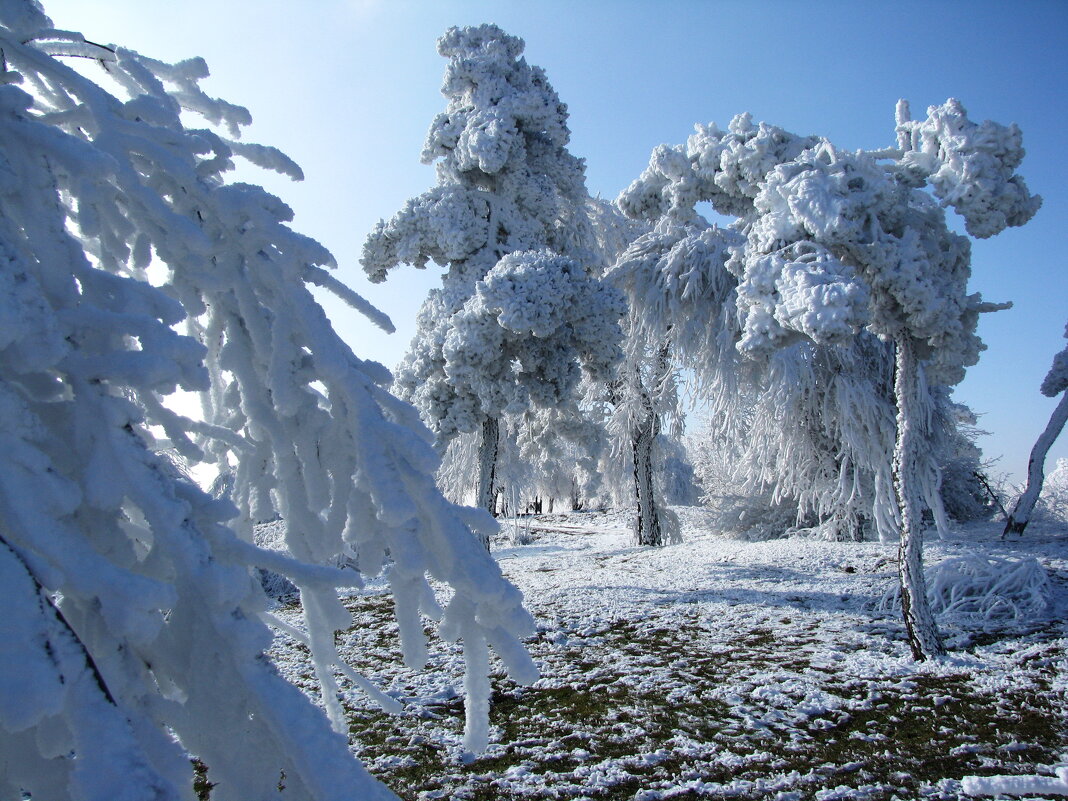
[(520, 309), (495, 98), (837, 241), (505, 179)]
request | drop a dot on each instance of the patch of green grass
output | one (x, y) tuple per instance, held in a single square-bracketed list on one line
[(912, 733)]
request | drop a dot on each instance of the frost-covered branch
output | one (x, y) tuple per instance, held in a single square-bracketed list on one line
[(117, 227)]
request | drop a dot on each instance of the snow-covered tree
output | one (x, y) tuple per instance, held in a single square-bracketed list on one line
[(1055, 383), (677, 291), (792, 452), (844, 242), (841, 244), (518, 310), (134, 631)]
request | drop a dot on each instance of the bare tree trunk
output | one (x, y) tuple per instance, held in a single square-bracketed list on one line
[(486, 498), (647, 530), (995, 498), (1021, 513), (920, 624)]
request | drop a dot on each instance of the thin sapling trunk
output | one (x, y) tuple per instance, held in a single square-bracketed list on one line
[(1021, 513)]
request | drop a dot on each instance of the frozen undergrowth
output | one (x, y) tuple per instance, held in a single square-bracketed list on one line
[(720, 669)]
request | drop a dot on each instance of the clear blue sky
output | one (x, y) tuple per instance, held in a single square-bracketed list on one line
[(348, 89)]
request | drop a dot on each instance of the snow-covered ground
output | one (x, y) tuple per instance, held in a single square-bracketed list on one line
[(719, 668)]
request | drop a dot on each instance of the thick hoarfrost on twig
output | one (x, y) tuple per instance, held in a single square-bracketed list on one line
[(676, 287), (116, 226), (725, 168), (970, 167), (520, 309)]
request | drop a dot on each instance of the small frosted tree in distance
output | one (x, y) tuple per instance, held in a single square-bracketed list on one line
[(518, 310), (1055, 383), (133, 628)]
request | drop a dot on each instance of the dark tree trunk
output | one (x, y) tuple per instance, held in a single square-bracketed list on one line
[(486, 497), (920, 624), (647, 530), (1021, 513)]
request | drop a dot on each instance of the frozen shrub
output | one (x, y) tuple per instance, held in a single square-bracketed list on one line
[(978, 588)]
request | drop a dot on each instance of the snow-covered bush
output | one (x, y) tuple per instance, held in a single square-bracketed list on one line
[(134, 625), (985, 589)]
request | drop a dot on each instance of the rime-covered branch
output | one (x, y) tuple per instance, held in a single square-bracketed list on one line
[(116, 228)]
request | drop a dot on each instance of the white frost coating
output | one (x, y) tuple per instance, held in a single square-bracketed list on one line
[(519, 311), (853, 210), (1056, 380), (808, 434), (986, 588), (970, 167), (124, 574), (520, 340), (838, 243), (676, 287), (1017, 785), (814, 296)]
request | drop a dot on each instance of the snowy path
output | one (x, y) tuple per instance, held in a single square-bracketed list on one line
[(721, 669)]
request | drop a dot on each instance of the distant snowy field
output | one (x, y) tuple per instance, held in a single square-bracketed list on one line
[(719, 668)]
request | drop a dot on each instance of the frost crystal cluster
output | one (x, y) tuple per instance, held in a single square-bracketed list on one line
[(131, 604)]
